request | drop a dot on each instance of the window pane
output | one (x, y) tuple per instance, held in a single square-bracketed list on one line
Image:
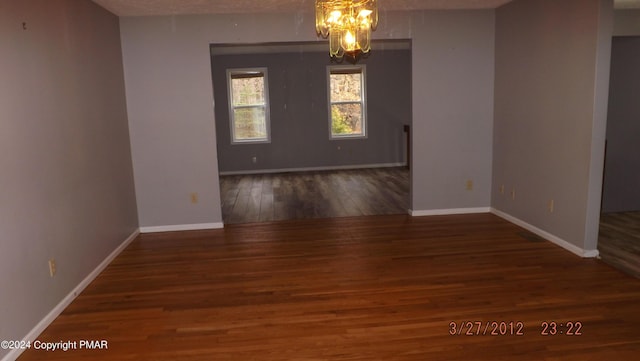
[(248, 105), (250, 123), (345, 87), (247, 91), (346, 119)]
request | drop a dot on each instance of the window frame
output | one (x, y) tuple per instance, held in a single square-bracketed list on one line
[(249, 71), (349, 69)]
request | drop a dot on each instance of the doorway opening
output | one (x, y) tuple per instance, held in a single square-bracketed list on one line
[(300, 168), (619, 236)]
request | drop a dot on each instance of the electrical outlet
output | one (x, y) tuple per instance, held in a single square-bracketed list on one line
[(513, 194), (469, 186), (52, 267), (254, 160), (502, 189), (194, 198), (551, 205)]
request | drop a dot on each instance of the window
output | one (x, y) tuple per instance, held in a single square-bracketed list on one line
[(248, 105), (347, 101)]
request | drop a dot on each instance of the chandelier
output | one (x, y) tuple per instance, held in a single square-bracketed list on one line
[(347, 24)]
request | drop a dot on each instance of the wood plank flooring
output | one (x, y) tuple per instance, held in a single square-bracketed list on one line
[(363, 288), (321, 194), (619, 241)]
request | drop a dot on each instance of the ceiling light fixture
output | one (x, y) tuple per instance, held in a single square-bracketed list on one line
[(347, 24)]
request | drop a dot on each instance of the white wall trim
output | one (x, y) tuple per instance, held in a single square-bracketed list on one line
[(182, 227), (56, 311), (307, 169), (592, 253), (442, 212)]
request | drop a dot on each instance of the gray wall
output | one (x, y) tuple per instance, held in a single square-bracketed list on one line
[(626, 22), (66, 173), (453, 74), (169, 99), (622, 167), (299, 114), (552, 62)]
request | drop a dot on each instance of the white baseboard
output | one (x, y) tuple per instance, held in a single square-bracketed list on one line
[(308, 169), (56, 311), (592, 253), (444, 212), (181, 227)]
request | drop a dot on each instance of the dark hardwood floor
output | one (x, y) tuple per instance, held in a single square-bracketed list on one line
[(353, 288), (619, 241), (321, 194)]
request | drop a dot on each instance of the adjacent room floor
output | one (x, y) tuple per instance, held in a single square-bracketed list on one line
[(463, 287), (321, 194), (619, 241)]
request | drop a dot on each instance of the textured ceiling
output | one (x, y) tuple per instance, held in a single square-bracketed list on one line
[(183, 7)]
